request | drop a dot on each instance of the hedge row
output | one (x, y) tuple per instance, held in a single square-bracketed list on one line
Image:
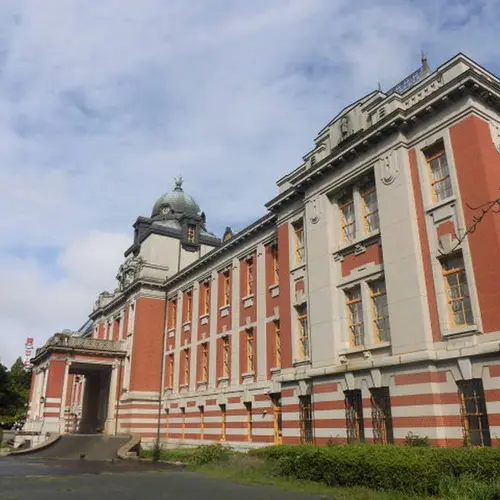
[(383, 467)]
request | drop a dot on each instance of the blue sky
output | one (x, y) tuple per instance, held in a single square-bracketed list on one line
[(102, 103)]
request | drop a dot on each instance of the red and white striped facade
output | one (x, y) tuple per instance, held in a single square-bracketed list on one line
[(355, 309)]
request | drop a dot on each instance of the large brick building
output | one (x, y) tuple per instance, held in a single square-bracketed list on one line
[(355, 309)]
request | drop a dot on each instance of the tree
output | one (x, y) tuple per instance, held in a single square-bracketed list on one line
[(4, 389), (19, 387)]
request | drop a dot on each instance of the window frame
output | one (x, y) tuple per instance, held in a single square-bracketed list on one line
[(202, 422), (306, 420), (350, 325), (299, 241), (226, 353), (275, 263), (189, 306), (226, 288), (477, 397), (457, 271), (223, 422), (382, 424), (191, 233), (249, 281), (367, 190), (206, 297), (355, 423), (304, 351), (432, 153), (204, 362), (250, 350), (342, 204), (170, 380), (374, 312), (187, 360), (277, 343), (183, 423), (173, 314), (277, 419), (249, 422)]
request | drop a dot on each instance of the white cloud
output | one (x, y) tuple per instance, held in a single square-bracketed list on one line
[(101, 105)]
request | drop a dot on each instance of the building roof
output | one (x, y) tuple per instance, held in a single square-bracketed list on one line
[(176, 202)]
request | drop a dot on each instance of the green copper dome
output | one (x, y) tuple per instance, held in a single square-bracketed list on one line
[(176, 202)]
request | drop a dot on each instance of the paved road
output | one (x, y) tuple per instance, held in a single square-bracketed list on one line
[(23, 478)]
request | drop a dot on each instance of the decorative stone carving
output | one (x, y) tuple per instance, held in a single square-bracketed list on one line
[(344, 127), (128, 271), (389, 169), (315, 209)]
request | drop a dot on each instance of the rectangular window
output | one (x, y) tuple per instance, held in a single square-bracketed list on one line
[(189, 306), (370, 209), (476, 428), (380, 311), (250, 351), (354, 416), (226, 288), (276, 267), (204, 362), (298, 229), (223, 423), (191, 233), (277, 344), (306, 420), (202, 421), (206, 298), (277, 419), (225, 356), (250, 277), (348, 219), (173, 314), (439, 172), (185, 379), (248, 407), (381, 416), (303, 332), (183, 424), (167, 423), (355, 316), (170, 382), (457, 290)]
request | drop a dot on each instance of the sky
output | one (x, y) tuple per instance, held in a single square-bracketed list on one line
[(103, 103)]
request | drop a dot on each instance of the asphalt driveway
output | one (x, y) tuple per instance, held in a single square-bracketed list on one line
[(23, 478)]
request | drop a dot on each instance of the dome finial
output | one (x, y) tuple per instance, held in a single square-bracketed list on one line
[(178, 183)]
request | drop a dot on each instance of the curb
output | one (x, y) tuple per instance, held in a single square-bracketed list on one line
[(53, 437)]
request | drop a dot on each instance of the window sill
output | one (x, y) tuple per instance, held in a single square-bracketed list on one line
[(186, 326), (248, 301), (350, 246), (202, 385), (363, 348), (301, 362), (183, 387), (439, 204), (224, 311), (298, 267), (274, 290), (465, 330), (171, 333), (275, 371), (204, 319), (248, 377)]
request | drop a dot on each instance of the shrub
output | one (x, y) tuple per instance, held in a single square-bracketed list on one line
[(210, 453), (410, 469), (415, 440)]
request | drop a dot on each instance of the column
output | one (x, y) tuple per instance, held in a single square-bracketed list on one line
[(62, 418), (109, 427)]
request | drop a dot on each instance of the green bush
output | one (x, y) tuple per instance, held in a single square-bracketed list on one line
[(209, 454), (410, 469), (416, 440)]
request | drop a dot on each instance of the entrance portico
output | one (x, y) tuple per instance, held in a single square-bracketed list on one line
[(75, 386)]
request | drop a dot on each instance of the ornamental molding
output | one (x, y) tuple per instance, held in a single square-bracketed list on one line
[(128, 271), (315, 209), (495, 134), (389, 169)]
